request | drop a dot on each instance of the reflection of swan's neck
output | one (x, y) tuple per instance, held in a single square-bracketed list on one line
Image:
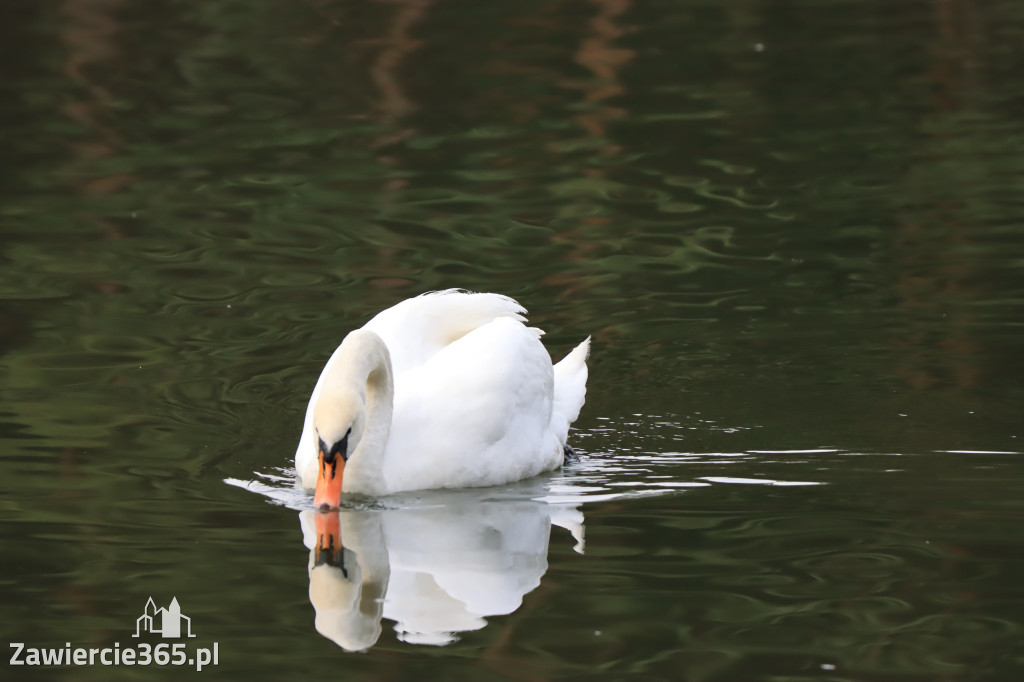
[(348, 597), (362, 365)]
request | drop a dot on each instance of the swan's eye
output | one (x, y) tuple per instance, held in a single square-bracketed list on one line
[(339, 448)]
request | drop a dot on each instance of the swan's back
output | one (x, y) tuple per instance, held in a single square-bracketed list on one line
[(417, 328)]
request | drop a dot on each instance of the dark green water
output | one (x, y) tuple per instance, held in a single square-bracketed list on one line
[(794, 229)]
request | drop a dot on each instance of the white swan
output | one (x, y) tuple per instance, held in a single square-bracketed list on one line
[(448, 389)]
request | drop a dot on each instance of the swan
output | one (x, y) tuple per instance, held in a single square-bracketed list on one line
[(449, 389)]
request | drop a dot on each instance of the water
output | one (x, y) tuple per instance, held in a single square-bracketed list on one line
[(794, 231)]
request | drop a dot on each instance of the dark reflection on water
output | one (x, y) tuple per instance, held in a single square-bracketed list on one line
[(794, 230)]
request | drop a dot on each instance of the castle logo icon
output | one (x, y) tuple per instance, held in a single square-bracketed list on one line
[(167, 622)]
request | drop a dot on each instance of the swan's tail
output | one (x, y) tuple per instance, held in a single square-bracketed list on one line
[(570, 390)]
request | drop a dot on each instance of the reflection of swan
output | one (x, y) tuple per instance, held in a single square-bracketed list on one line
[(347, 583), (448, 389), (435, 570)]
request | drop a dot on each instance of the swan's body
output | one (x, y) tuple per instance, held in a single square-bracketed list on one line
[(448, 389)]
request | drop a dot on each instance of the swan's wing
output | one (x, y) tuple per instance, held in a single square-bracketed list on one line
[(418, 328), (477, 413)]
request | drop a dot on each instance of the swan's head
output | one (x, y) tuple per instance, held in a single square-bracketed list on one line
[(337, 425)]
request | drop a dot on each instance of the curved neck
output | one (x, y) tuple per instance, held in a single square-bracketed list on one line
[(362, 365)]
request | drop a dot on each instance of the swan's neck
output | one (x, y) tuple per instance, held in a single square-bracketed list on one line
[(362, 365)]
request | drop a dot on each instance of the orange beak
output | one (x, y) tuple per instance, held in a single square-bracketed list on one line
[(328, 483)]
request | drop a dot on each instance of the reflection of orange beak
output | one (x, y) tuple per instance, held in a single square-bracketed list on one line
[(328, 539), (328, 483)]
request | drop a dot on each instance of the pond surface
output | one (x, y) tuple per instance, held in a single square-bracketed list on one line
[(795, 231)]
